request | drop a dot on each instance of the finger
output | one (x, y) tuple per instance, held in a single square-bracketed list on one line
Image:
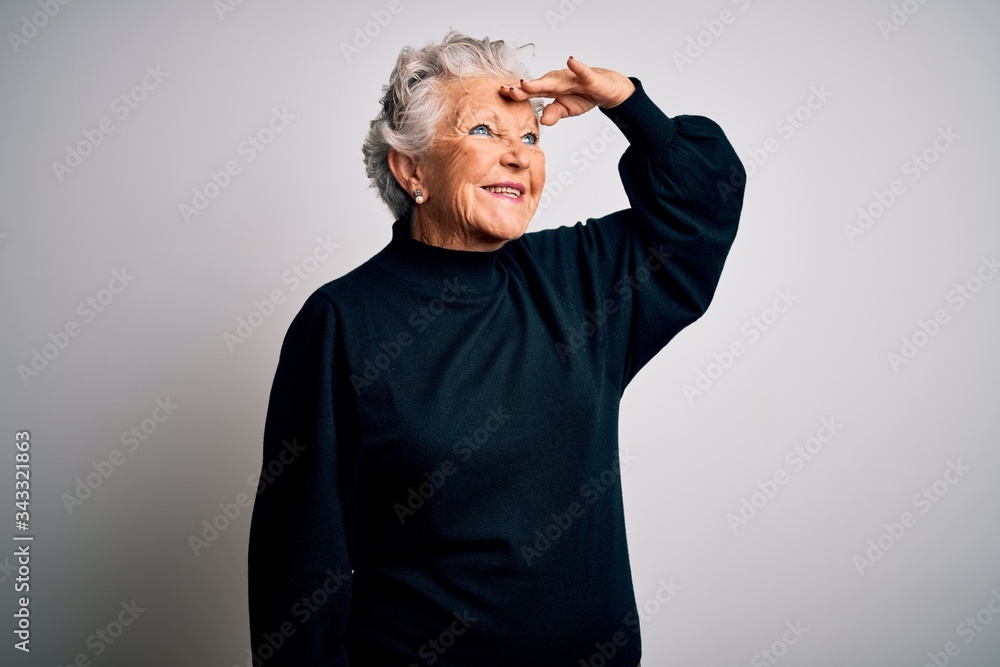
[(583, 73), (548, 76), (556, 82), (553, 113), (577, 79), (513, 93), (518, 95)]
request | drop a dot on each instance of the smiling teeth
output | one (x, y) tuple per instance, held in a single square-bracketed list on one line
[(512, 192)]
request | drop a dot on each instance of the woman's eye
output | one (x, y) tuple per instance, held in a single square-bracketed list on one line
[(530, 138), (481, 129)]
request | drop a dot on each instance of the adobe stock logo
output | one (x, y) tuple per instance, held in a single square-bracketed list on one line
[(915, 167), (927, 330), (121, 107), (562, 11), (102, 639), (899, 17), (372, 367), (37, 21), (223, 7), (212, 528), (714, 28), (363, 35), (968, 628), (786, 126), (135, 437), (248, 149), (752, 329), (88, 310), (779, 648), (591, 491), (796, 457), (923, 500), (463, 449)]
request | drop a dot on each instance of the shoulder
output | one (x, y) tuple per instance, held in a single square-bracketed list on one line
[(339, 297), (357, 284), (584, 235)]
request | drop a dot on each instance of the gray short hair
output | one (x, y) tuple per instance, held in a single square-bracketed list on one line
[(410, 109)]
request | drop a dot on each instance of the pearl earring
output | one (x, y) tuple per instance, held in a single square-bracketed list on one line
[(418, 196)]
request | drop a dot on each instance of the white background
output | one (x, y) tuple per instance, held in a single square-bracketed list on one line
[(856, 296)]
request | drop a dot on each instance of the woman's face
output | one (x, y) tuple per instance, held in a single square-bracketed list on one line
[(484, 171)]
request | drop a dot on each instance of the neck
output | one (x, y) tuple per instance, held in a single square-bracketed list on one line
[(431, 266), (453, 237)]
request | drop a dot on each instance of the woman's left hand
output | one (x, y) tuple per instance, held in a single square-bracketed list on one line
[(574, 90)]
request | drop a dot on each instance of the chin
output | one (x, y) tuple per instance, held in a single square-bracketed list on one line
[(509, 234), (509, 230)]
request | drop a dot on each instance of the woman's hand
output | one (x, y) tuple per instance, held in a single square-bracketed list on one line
[(575, 90)]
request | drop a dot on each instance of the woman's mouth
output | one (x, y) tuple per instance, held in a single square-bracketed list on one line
[(511, 192)]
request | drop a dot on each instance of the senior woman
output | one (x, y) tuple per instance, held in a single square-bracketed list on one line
[(446, 414)]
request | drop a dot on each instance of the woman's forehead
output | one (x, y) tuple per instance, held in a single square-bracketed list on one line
[(481, 94)]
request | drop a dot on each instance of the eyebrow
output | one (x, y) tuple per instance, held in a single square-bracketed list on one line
[(489, 114)]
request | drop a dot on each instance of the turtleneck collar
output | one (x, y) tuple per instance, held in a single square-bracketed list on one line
[(431, 265)]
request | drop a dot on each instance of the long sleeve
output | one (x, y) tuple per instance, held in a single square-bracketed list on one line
[(461, 504), (299, 563), (685, 205), (641, 275)]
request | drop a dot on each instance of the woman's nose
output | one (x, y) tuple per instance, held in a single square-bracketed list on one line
[(517, 155)]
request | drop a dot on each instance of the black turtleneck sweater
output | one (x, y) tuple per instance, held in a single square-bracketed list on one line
[(446, 423)]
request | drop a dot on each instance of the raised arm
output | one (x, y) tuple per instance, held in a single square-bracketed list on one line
[(685, 186), (651, 269)]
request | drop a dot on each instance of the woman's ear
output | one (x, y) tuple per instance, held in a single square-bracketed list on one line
[(406, 170)]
